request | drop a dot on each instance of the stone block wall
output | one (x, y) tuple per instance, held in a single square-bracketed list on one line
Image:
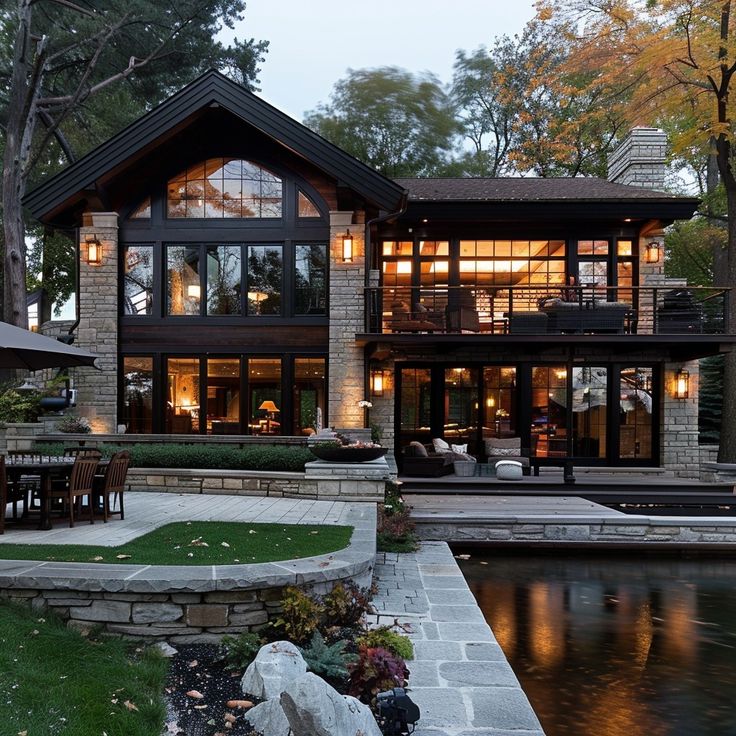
[(639, 160), (347, 317), (97, 390), (680, 449)]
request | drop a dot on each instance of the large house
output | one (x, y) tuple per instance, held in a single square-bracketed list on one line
[(241, 275)]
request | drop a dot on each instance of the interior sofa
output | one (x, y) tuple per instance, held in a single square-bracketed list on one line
[(508, 448)]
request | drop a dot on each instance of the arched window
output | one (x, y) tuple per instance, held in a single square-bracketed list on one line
[(225, 188)]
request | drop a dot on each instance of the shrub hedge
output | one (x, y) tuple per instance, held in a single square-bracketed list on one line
[(270, 457)]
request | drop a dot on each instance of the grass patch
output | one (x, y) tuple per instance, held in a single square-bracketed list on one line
[(53, 681), (198, 543)]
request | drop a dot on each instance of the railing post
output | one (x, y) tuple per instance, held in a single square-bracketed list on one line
[(655, 328)]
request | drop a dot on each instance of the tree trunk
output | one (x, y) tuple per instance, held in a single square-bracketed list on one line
[(727, 449)]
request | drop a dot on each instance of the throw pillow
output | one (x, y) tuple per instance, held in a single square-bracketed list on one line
[(418, 449), (440, 446), (459, 448), (503, 451)]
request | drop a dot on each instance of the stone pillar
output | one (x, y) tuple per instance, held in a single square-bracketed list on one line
[(347, 317), (97, 390), (639, 160), (680, 450), (651, 275)]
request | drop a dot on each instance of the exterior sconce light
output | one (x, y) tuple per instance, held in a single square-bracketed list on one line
[(347, 247), (682, 384), (652, 252), (94, 250), (378, 383)]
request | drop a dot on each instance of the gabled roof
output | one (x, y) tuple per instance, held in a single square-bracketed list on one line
[(213, 88), (529, 190)]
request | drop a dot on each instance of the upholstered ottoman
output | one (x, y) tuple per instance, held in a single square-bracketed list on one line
[(508, 470)]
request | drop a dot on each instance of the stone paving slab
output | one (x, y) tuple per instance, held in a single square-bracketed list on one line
[(459, 678)]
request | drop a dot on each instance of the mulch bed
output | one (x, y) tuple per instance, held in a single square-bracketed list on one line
[(200, 667)]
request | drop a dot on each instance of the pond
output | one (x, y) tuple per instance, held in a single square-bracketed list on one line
[(615, 645)]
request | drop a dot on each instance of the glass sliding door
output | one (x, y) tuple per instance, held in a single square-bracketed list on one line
[(415, 406), (499, 402), (223, 396), (635, 414), (309, 395), (589, 411), (264, 396), (182, 402), (549, 420), (461, 406), (137, 414)]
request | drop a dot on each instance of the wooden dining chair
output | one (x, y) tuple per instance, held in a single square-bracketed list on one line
[(112, 483), (80, 484)]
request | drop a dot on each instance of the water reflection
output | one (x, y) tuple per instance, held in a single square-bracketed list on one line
[(616, 646)]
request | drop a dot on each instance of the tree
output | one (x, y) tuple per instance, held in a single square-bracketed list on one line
[(66, 57), (399, 123), (670, 59)]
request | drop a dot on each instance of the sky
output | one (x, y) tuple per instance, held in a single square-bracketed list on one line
[(314, 43)]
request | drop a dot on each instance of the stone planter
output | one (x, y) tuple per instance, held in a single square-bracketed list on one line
[(348, 454)]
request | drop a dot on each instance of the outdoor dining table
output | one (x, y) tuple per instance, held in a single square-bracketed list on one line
[(47, 470)]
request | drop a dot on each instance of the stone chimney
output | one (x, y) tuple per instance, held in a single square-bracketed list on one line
[(639, 160)]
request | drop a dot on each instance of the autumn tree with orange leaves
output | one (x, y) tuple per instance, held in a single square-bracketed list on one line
[(661, 61)]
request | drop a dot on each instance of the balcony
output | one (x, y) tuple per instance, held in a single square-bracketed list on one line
[(537, 310)]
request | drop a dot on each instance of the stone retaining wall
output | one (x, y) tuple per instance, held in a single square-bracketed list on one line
[(639, 531), (186, 604), (321, 480)]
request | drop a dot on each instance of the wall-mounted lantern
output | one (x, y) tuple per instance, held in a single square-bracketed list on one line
[(653, 252), (347, 247), (94, 250), (682, 384), (378, 382)]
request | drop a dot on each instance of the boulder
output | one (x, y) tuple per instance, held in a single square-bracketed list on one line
[(275, 666), (314, 708), (269, 718)]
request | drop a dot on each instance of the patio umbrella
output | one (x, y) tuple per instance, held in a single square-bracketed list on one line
[(24, 349)]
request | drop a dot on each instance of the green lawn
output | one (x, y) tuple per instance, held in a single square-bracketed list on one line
[(198, 543), (54, 682)]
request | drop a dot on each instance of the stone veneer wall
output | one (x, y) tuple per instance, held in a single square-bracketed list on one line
[(680, 448), (97, 390), (347, 317), (639, 160)]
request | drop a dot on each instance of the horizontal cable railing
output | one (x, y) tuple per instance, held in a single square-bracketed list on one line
[(547, 309)]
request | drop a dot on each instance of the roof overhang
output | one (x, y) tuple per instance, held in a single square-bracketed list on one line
[(212, 89)]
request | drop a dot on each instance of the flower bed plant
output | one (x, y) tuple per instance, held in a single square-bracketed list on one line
[(268, 457), (395, 529)]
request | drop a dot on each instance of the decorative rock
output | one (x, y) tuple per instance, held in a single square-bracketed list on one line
[(166, 649), (276, 665), (269, 717), (314, 708)]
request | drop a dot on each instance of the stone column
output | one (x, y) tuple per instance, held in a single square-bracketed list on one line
[(347, 317), (680, 450), (97, 390)]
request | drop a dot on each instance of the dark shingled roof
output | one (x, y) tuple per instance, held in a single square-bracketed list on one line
[(527, 189)]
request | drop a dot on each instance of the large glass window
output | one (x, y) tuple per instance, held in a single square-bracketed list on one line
[(224, 188), (223, 396), (309, 395), (137, 415), (415, 405), (182, 268), (549, 411), (138, 280), (499, 402), (461, 406), (264, 396), (589, 411), (310, 279), (265, 273), (182, 397), (635, 425), (223, 279)]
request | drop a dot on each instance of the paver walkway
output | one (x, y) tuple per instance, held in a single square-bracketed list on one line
[(459, 678), (147, 511)]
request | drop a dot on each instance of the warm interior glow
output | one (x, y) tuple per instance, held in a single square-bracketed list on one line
[(194, 291), (490, 402), (467, 266), (268, 406)]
